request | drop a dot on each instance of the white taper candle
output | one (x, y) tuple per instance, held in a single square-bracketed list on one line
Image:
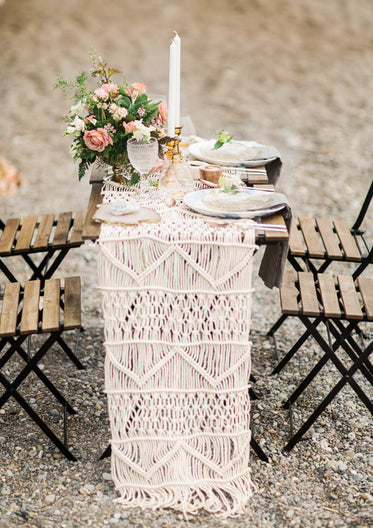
[(172, 91), (177, 41)]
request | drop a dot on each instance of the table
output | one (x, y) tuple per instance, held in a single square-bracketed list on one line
[(177, 310), (91, 230)]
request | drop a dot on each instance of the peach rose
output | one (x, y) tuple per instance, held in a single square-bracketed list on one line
[(90, 119), (136, 89), (130, 127), (139, 87), (163, 111), (97, 140)]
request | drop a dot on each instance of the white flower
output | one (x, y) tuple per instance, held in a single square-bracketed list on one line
[(76, 126), (142, 131), (78, 108), (70, 130), (79, 124), (138, 135), (118, 112)]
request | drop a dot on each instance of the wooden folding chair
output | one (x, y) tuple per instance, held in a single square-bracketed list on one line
[(315, 243), (50, 236), (340, 306), (35, 309)]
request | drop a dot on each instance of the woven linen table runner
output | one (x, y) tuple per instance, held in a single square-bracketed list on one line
[(177, 300)]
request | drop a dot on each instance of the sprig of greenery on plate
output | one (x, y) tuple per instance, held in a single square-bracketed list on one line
[(221, 137)]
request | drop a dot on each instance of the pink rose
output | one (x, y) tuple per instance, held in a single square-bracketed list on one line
[(97, 140), (163, 111), (130, 127), (101, 93), (110, 88)]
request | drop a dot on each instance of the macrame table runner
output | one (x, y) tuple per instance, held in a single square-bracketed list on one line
[(177, 300)]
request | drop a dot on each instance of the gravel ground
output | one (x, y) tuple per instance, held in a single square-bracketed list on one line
[(298, 78)]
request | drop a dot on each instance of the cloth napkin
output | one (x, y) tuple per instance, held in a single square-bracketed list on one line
[(144, 214), (274, 169)]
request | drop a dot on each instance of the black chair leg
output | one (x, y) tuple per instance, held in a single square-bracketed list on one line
[(347, 378), (36, 418), (258, 450), (106, 453)]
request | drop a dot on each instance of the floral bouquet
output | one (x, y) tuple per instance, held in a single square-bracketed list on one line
[(104, 119)]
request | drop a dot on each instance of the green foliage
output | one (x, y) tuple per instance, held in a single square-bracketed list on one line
[(124, 101), (135, 177), (83, 167), (221, 138), (225, 187), (76, 90)]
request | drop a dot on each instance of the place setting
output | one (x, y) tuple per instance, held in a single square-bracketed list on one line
[(243, 158), (245, 154)]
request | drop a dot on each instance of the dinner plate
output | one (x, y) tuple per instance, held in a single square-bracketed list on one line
[(263, 204), (231, 154)]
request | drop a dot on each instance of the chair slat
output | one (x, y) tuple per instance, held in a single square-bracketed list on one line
[(51, 306), (288, 294), (9, 234), (77, 229), (296, 241), (9, 310), (72, 309), (310, 304), (44, 231), (366, 290), (30, 311), (329, 295), (62, 229), (311, 238), (329, 238), (26, 233), (347, 241), (350, 297)]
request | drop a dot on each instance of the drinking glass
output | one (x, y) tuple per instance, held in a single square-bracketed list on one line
[(142, 156)]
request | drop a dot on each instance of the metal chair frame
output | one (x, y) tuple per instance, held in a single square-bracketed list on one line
[(340, 332), (366, 253), (15, 342)]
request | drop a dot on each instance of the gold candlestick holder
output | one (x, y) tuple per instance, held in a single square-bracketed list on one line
[(177, 179)]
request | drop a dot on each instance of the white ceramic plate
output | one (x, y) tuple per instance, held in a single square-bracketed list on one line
[(266, 204), (232, 154)]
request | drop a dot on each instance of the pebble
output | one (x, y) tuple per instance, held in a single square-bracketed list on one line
[(49, 499), (342, 466)]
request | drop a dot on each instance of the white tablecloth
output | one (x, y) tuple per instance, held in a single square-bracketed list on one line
[(177, 309)]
